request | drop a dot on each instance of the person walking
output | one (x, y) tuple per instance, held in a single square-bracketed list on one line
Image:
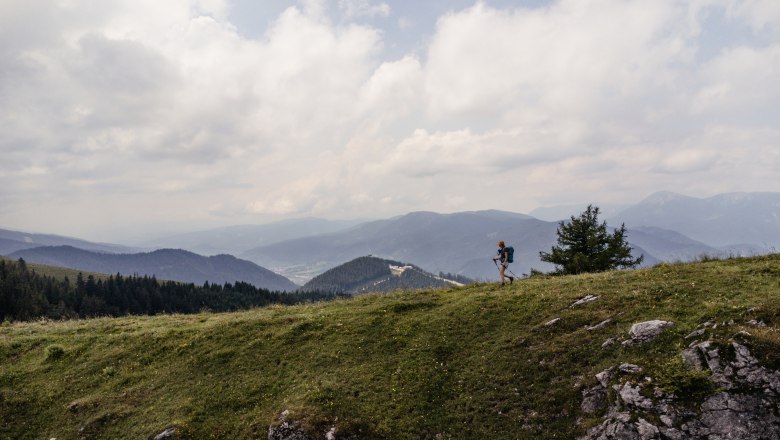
[(505, 257)]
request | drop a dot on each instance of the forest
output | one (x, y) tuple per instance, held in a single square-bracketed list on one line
[(27, 295)]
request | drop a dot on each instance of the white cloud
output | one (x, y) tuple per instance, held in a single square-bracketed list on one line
[(364, 8), (140, 104)]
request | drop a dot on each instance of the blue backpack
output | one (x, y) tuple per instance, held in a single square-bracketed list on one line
[(510, 256)]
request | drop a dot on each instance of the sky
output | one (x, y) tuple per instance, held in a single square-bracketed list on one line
[(125, 119)]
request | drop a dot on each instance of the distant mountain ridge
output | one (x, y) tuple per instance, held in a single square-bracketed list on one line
[(372, 274), (724, 220), (12, 241), (460, 243), (168, 264), (235, 240)]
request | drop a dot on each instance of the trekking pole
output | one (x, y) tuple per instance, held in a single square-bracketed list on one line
[(506, 269)]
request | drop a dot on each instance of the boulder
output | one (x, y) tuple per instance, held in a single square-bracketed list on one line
[(642, 332)]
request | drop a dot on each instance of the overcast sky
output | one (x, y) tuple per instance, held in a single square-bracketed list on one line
[(126, 118)]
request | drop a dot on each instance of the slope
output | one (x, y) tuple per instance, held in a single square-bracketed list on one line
[(168, 264), (474, 362)]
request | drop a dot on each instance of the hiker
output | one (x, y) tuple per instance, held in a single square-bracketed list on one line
[(505, 257)]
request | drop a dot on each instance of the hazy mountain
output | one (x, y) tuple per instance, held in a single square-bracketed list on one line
[(371, 274), (668, 245), (237, 239), (460, 243), (564, 212), (722, 220), (166, 264), (12, 241)]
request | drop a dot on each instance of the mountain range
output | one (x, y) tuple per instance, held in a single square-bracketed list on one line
[(664, 227), (166, 264), (735, 220), (237, 239), (12, 241)]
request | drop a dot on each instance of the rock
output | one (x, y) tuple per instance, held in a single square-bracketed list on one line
[(646, 430), (695, 333), (585, 300), (168, 433), (552, 322), (755, 323), (593, 399), (331, 435), (287, 431), (642, 332), (629, 368), (745, 407), (631, 396), (600, 324), (692, 359), (604, 377), (737, 417), (608, 342)]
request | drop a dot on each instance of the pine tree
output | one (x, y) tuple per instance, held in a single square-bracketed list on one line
[(584, 245)]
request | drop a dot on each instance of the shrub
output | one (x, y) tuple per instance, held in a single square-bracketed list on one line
[(54, 352)]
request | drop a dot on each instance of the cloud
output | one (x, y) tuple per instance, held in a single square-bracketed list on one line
[(160, 109), (364, 8)]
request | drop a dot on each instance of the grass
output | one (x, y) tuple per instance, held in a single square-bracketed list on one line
[(472, 362)]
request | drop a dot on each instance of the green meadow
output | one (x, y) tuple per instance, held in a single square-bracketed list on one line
[(462, 363)]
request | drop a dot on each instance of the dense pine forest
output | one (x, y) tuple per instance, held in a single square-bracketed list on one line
[(26, 294)]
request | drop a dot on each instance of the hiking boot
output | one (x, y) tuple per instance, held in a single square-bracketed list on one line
[(511, 279)]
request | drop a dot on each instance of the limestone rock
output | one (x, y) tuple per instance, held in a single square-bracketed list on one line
[(585, 300), (601, 324), (642, 332), (745, 407), (168, 433), (287, 431), (593, 399)]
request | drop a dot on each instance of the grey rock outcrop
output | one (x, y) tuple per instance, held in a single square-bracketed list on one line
[(168, 433), (642, 332), (744, 407), (286, 430), (584, 300)]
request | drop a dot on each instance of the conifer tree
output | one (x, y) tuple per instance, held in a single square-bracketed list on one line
[(584, 245)]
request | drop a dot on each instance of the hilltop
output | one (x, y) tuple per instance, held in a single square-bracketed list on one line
[(472, 362), (371, 274)]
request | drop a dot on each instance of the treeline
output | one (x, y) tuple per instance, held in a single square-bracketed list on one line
[(26, 295)]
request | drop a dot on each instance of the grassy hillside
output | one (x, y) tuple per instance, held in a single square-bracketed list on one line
[(473, 362)]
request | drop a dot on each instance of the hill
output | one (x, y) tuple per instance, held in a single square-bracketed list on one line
[(519, 362), (724, 220), (372, 274), (167, 264), (12, 241)]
